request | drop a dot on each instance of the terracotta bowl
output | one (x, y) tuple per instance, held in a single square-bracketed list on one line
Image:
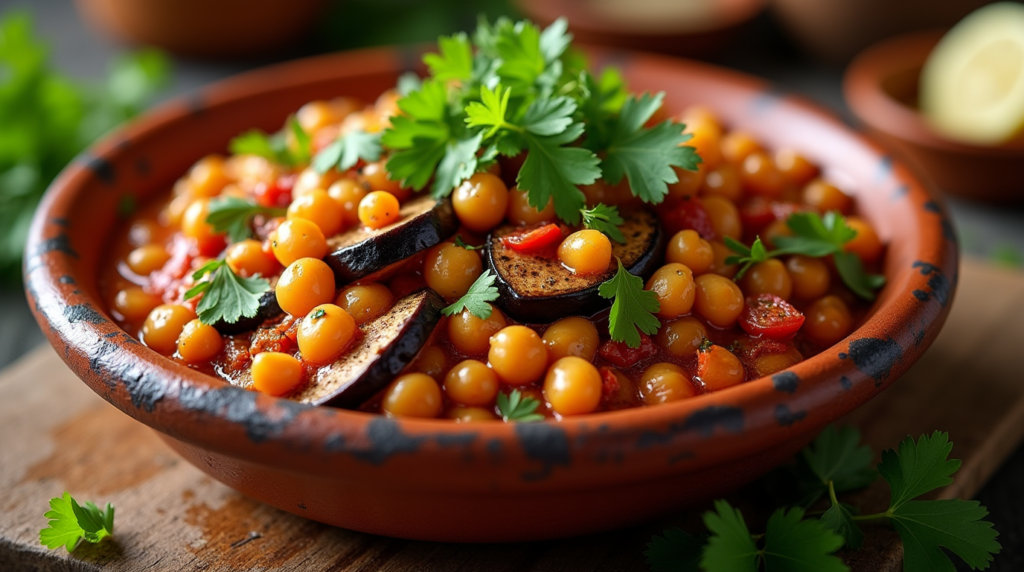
[(437, 480), (880, 86)]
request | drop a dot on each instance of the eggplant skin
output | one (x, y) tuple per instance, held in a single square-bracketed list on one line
[(523, 280), (385, 346), (358, 253), (269, 309)]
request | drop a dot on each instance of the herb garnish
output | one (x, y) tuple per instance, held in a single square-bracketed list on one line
[(462, 244), (347, 150), (633, 308), (227, 297), (234, 216), (71, 523), (515, 88), (837, 462), (275, 147), (605, 219), (477, 298), (515, 407)]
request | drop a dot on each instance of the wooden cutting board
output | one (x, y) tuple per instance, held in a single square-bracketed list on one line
[(55, 434)]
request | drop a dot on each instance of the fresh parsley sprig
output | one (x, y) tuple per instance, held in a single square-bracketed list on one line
[(71, 523), (477, 299), (515, 407), (275, 147), (234, 215), (463, 244), (347, 150), (633, 307), (605, 219), (747, 256), (227, 297)]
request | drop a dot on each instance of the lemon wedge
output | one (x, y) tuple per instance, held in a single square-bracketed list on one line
[(972, 85)]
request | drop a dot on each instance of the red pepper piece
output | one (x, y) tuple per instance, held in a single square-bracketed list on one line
[(622, 355)]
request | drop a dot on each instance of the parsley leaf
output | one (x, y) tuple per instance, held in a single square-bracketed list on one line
[(462, 244), (632, 309), (839, 519), (730, 546), (794, 544), (420, 136), (748, 256), (602, 99), (458, 164), (477, 298), (674, 551), (455, 60), (605, 219), (515, 407), (646, 155), (552, 170), (347, 150), (837, 455), (227, 297), (490, 111), (275, 147), (234, 215), (71, 523)]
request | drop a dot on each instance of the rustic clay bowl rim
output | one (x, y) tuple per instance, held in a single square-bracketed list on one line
[(875, 106), (729, 425)]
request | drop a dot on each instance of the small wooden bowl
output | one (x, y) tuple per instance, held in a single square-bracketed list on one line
[(881, 88)]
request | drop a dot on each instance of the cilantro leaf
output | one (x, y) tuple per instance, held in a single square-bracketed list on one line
[(71, 523), (851, 270), (606, 219), (274, 147), (554, 40), (227, 297), (455, 60), (490, 111), (515, 407), (518, 50), (645, 156), (839, 519), (458, 164), (477, 298), (748, 256), (957, 525), (234, 215), (730, 546), (602, 99), (837, 455), (633, 308), (918, 467), (347, 150), (674, 551), (549, 116), (419, 138), (797, 545), (552, 170)]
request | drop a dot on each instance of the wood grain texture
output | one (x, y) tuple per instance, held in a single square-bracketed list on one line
[(58, 435)]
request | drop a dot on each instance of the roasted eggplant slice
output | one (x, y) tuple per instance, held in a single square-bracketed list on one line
[(539, 289), (383, 349), (361, 252), (268, 309)]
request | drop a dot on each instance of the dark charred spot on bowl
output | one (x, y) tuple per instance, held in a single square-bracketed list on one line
[(83, 313), (786, 381), (846, 382), (145, 387), (680, 457), (938, 284), (386, 440), (67, 279), (544, 442), (60, 221), (59, 243), (766, 100), (705, 420), (242, 407), (933, 207), (884, 168), (494, 450), (919, 336), (947, 230), (874, 357), (100, 167), (900, 193), (785, 417), (457, 439), (301, 505)]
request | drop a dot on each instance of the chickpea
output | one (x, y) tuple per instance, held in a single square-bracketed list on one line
[(723, 181), (719, 300), (573, 386), (866, 244), (365, 302), (520, 211), (828, 320), (471, 335), (248, 258), (706, 140), (517, 355), (775, 229), (686, 247), (304, 285), (725, 217), (480, 202), (310, 180), (134, 303), (761, 177), (687, 185), (810, 276), (450, 270), (586, 252), (207, 177), (721, 254), (461, 414), (194, 226), (412, 395), (325, 333), (320, 113), (199, 342), (673, 283), (173, 213), (319, 208), (794, 167), (768, 364), (718, 368), (164, 325), (376, 176), (768, 277), (432, 361), (826, 197), (348, 193), (275, 373), (682, 337), (471, 383), (147, 259), (573, 336), (378, 209), (298, 238), (738, 145), (664, 382)]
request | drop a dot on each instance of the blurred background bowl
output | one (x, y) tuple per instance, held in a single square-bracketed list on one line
[(881, 86)]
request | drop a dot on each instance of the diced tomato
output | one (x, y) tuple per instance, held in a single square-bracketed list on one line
[(688, 214), (756, 212), (276, 195), (609, 383), (167, 281), (769, 316), (535, 240), (622, 355)]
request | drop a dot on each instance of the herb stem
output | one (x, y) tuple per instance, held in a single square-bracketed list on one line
[(873, 518)]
